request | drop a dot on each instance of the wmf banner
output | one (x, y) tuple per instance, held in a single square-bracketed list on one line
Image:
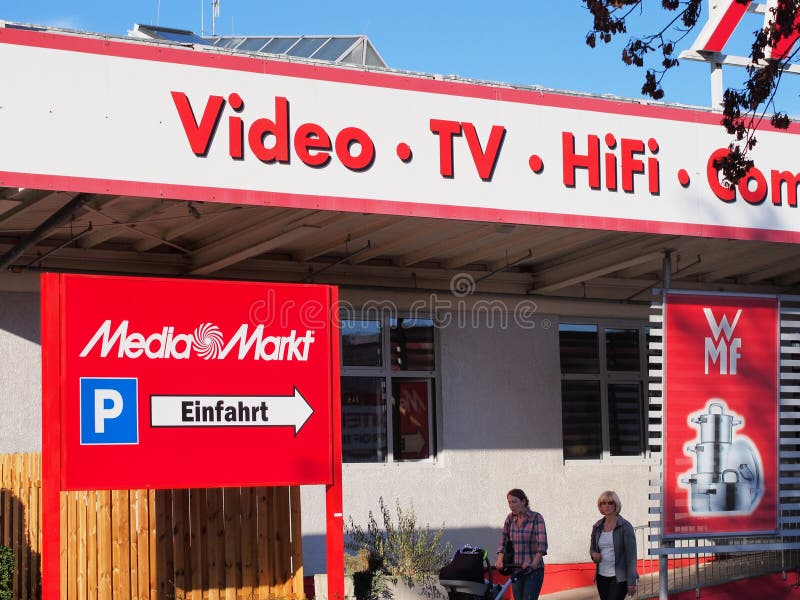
[(720, 415)]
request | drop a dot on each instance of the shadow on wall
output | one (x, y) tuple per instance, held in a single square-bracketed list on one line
[(19, 315)]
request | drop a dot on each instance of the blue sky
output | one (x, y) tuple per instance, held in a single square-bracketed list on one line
[(529, 42)]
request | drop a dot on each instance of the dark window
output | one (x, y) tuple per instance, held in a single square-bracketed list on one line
[(400, 425), (602, 390), (361, 344), (363, 419)]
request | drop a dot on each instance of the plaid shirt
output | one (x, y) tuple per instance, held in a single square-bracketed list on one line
[(527, 538)]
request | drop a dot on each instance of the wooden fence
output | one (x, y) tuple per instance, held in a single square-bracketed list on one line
[(198, 544)]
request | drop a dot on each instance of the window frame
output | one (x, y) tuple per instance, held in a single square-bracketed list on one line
[(607, 377), (388, 375)]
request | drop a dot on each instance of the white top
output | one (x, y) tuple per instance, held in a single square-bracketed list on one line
[(606, 544)]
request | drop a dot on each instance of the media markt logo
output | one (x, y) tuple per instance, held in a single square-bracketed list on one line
[(206, 342)]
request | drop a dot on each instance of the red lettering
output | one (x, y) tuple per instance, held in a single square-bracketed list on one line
[(589, 161), (199, 136), (757, 195), (721, 191), (653, 172), (279, 129), (630, 165), (611, 163), (236, 128), (236, 137), (485, 162), (791, 180), (446, 130), (347, 138), (311, 137)]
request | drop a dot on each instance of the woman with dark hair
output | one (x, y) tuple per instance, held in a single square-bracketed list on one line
[(524, 529), (612, 547)]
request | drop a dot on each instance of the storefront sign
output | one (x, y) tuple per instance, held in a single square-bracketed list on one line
[(720, 443), (185, 383), (205, 125)]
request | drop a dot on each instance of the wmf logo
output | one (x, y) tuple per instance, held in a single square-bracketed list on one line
[(722, 348), (109, 410)]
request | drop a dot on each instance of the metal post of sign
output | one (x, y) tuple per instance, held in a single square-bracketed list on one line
[(717, 87), (334, 518), (663, 574), (51, 442)]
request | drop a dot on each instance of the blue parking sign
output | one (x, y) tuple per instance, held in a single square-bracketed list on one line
[(109, 413)]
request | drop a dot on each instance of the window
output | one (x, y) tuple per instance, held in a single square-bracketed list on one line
[(389, 378), (603, 370)]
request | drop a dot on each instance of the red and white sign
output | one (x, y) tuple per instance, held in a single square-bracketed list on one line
[(726, 17), (185, 383), (720, 415), (204, 125)]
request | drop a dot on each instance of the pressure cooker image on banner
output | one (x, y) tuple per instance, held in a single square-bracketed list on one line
[(728, 472)]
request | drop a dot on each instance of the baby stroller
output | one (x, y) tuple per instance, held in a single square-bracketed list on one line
[(464, 579)]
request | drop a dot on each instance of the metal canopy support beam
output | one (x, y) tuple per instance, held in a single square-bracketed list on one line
[(42, 231), (588, 275)]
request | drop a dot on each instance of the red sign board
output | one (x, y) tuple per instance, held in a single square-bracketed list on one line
[(186, 383), (720, 415)]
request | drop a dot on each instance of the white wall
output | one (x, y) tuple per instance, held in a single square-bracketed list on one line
[(20, 373)]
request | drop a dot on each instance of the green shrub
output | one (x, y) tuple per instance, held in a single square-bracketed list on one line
[(401, 551), (7, 567)]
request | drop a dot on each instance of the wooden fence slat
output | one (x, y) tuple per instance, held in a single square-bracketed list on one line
[(34, 521), (91, 545), (233, 555), (216, 543), (5, 499), (16, 519), (133, 546), (180, 542), (262, 540), (203, 540), (81, 575), (142, 533), (283, 551), (153, 544), (120, 547), (197, 540), (248, 521), (297, 546), (104, 549), (165, 567), (24, 547)]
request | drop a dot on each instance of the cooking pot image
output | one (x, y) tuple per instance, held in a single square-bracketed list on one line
[(728, 471), (716, 426)]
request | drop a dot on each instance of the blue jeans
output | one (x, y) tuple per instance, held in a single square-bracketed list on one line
[(528, 587)]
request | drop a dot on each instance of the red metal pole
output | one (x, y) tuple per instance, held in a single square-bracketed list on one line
[(51, 436), (334, 518)]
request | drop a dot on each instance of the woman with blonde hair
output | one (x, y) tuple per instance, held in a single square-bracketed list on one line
[(612, 547)]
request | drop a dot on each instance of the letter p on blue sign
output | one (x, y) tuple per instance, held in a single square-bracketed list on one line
[(109, 410)]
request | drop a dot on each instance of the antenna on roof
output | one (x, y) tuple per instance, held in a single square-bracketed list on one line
[(214, 15)]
